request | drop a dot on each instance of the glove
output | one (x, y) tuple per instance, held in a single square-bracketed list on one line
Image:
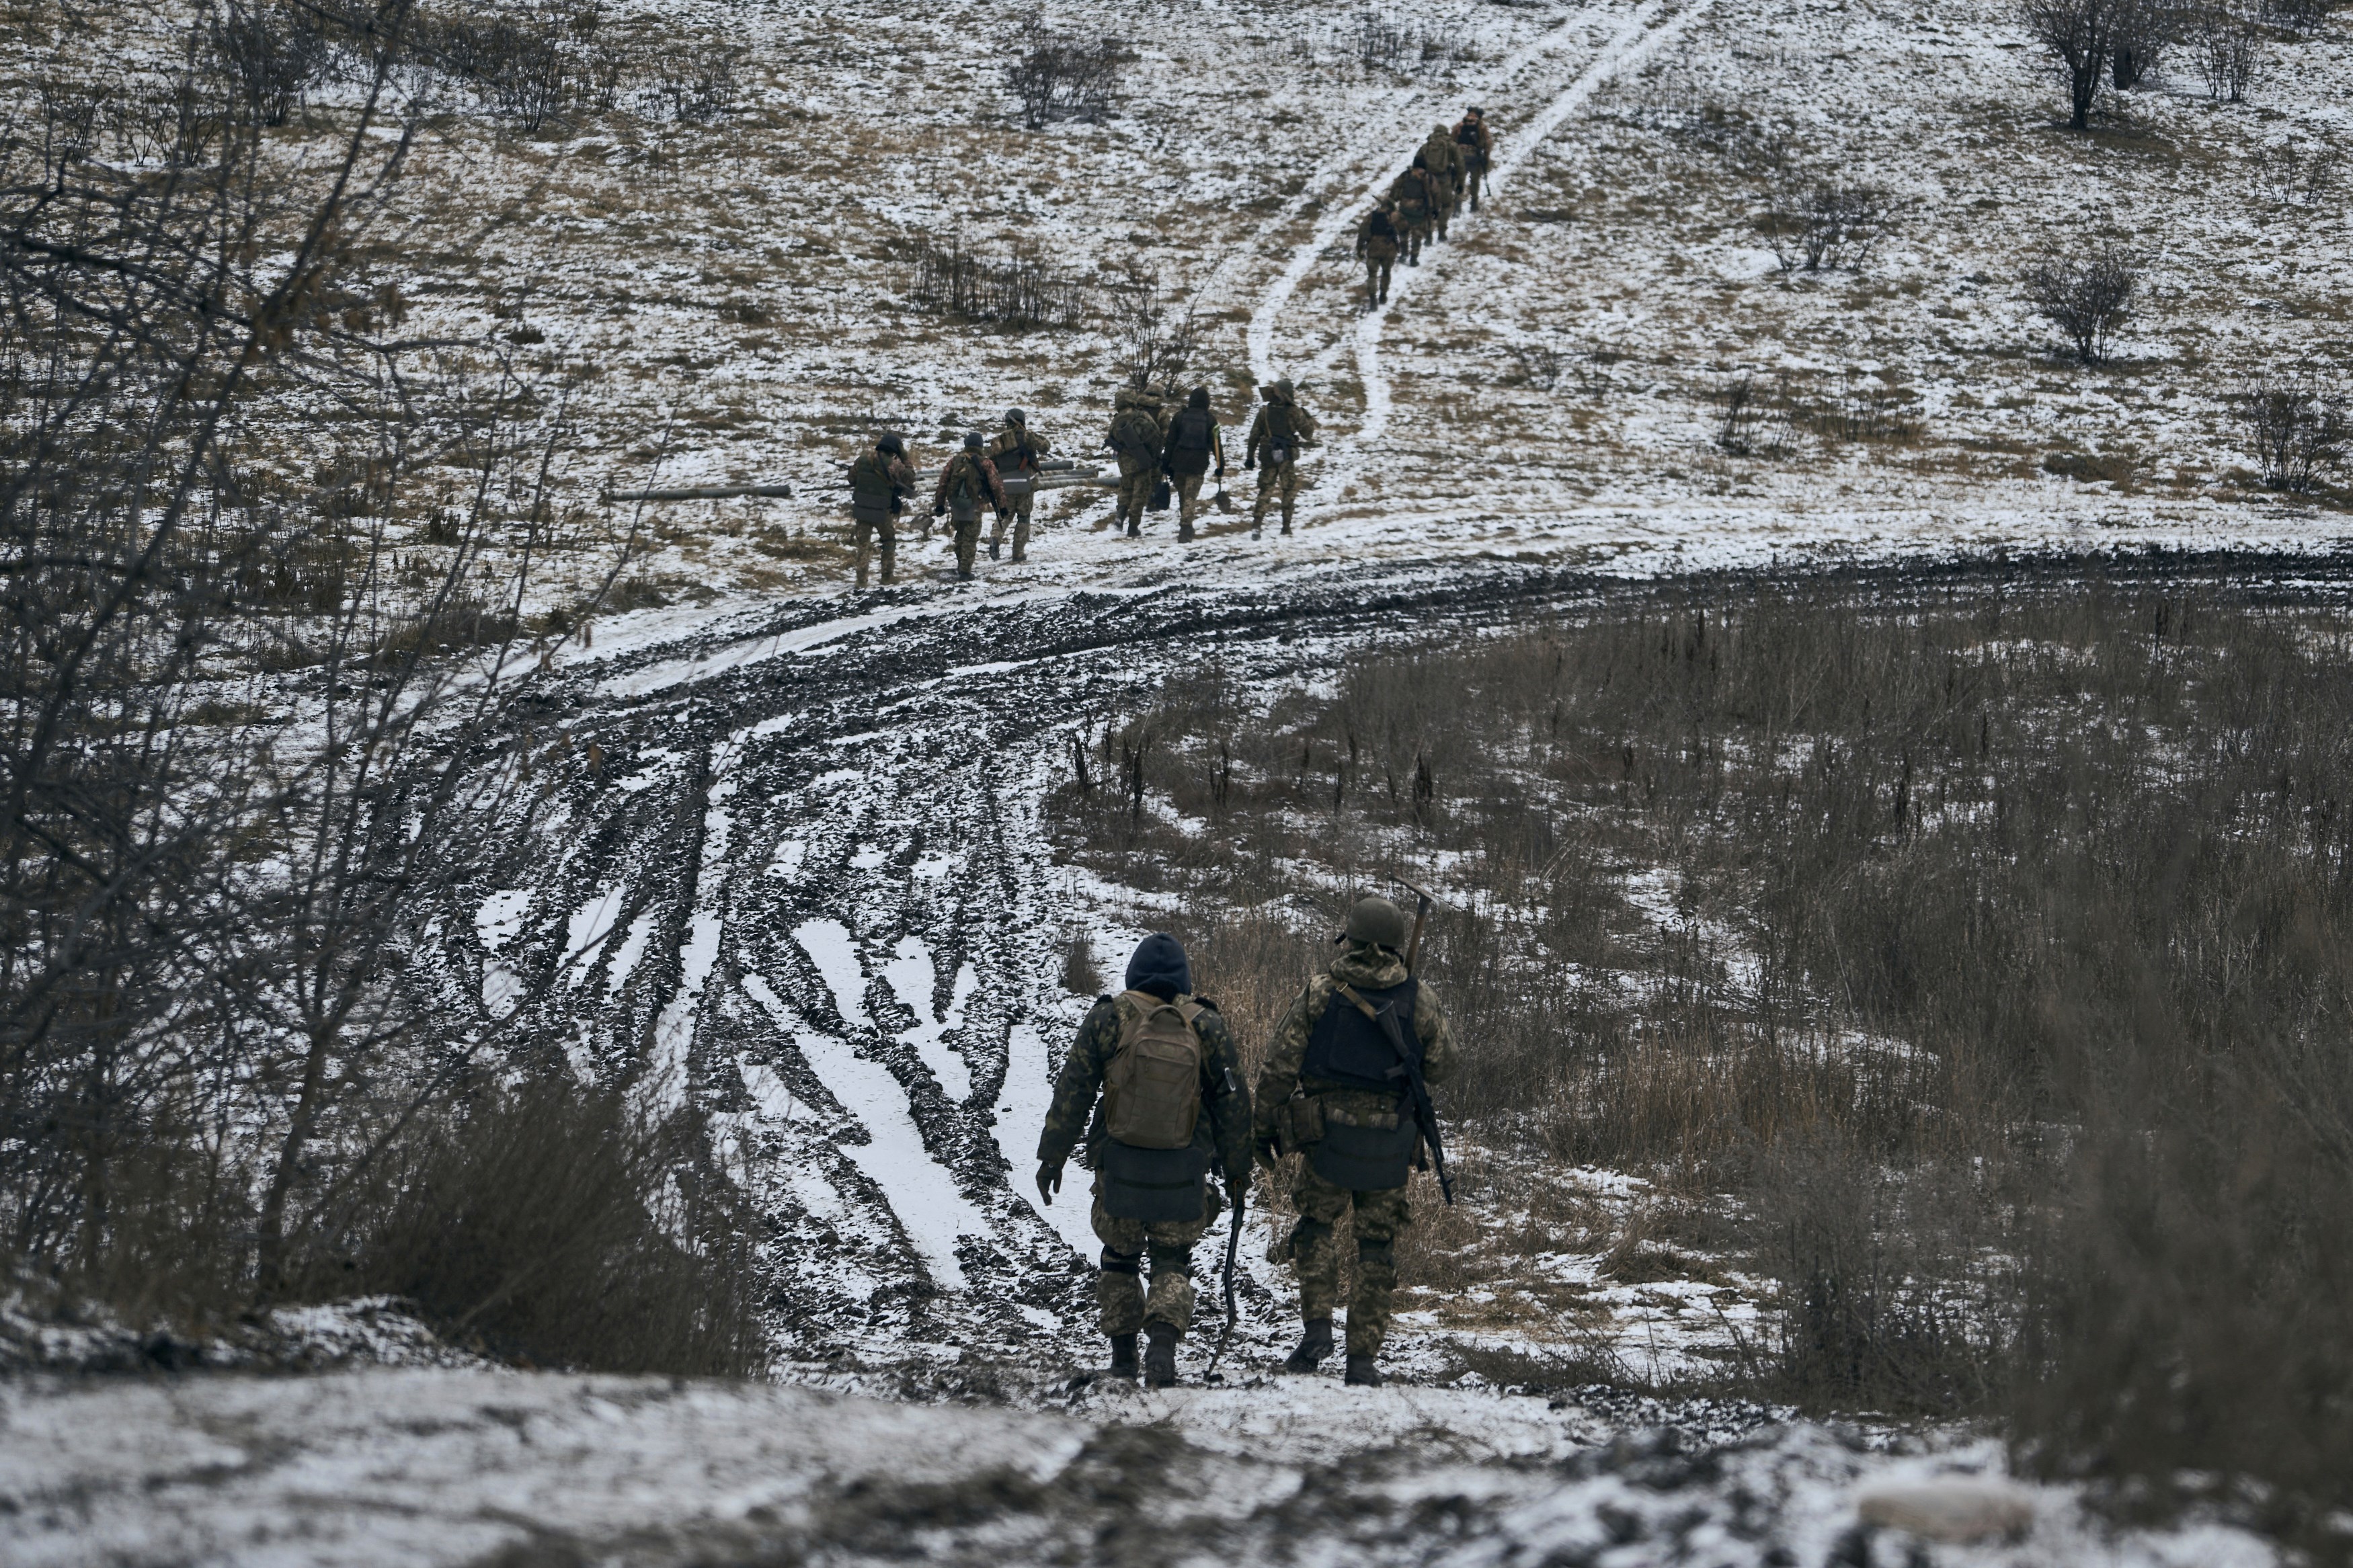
[(1267, 1151), (1049, 1180), (938, 510), (1221, 473)]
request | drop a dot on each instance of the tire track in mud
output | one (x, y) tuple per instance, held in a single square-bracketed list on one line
[(806, 904)]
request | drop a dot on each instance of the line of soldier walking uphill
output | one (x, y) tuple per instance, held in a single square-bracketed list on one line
[(1150, 1098), (1167, 449)]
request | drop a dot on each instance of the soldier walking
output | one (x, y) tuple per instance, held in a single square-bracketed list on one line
[(1410, 193), (1326, 1091), (1377, 242), (1443, 159), (1136, 438), (1015, 453), (1280, 428), (1195, 442), (1478, 145), (966, 481), (1172, 1110), (879, 482)]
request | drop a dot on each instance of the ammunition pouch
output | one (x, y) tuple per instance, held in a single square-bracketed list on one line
[(1298, 1123)]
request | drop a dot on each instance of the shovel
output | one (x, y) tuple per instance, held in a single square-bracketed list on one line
[(1224, 502)]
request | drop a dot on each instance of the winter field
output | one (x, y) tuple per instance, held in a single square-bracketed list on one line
[(664, 858)]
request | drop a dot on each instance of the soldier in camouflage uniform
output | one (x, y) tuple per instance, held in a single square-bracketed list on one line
[(1151, 1201), (1015, 453), (1377, 242), (966, 481), (1411, 194), (1443, 159), (1195, 444), (1280, 428), (1478, 145), (879, 482), (1326, 1068), (1139, 438)]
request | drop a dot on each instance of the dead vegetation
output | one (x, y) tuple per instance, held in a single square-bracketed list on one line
[(1967, 939)]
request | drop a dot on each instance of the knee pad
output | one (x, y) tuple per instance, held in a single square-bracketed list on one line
[(1122, 1262), (1309, 1233), (1378, 1254), (1171, 1260)]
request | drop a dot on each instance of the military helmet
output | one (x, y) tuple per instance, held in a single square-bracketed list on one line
[(1375, 919), (892, 444), (972, 440), (1477, 112), (1014, 417)]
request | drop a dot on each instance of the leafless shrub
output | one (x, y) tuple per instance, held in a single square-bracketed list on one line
[(696, 85), (1023, 290), (1152, 344), (1740, 414), (1825, 225), (2087, 300), (2306, 17), (2080, 40), (2225, 47), (277, 51), (2297, 173), (2298, 428), (1060, 78), (1381, 42), (1538, 365)]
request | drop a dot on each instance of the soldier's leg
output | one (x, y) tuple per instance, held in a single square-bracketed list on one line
[(967, 544), (861, 541), (1313, 1252), (1290, 493), (1388, 265), (889, 530), (1170, 1244), (1135, 489), (1021, 536), (1266, 483), (1381, 1219), (1189, 505), (1119, 1288)]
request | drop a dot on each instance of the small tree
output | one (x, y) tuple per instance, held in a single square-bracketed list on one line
[(2081, 39), (2086, 299), (1154, 342), (2223, 41), (2298, 428), (1062, 78), (1822, 225)]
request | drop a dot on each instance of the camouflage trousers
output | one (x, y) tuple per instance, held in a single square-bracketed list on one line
[(1189, 502), (1380, 1217), (1136, 484), (1020, 522), (1378, 268), (1417, 229), (1276, 481), (968, 541), (1119, 1288), (1443, 213), (863, 531)]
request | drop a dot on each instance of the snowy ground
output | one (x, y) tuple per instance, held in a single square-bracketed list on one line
[(406, 1468)]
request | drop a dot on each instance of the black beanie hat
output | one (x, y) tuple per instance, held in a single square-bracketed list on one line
[(1200, 398), (1159, 967)]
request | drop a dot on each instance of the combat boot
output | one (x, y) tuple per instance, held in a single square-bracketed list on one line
[(1160, 1355), (1362, 1373), (1122, 1357), (1312, 1347)]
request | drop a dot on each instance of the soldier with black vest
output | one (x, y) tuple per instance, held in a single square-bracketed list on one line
[(1172, 1110), (1334, 1091)]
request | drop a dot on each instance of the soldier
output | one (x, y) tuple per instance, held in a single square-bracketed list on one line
[(1160, 1056), (1478, 145), (1444, 161), (1410, 193), (1276, 436), (1139, 440), (1195, 442), (1326, 1091), (1015, 453), (967, 479), (1377, 242), (879, 483)]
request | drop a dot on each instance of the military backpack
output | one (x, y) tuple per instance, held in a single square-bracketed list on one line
[(1152, 1092), (1136, 434)]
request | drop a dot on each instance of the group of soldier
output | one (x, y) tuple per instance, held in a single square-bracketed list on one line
[(1165, 450), (1448, 169), (1151, 1098)]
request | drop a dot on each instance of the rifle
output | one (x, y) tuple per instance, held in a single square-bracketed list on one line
[(1425, 1114), (1240, 1193)]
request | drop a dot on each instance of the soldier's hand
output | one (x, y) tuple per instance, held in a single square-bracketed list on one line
[(1049, 1180), (1267, 1152)]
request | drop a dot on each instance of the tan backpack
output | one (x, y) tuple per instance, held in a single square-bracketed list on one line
[(1152, 1092)]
